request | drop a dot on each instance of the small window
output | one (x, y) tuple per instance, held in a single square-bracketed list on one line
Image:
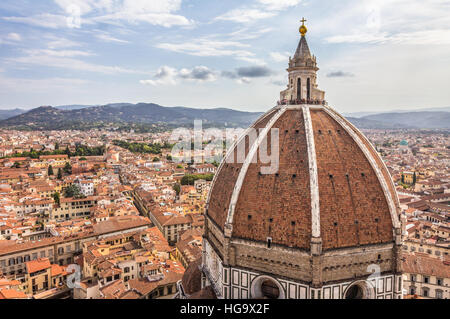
[(269, 242)]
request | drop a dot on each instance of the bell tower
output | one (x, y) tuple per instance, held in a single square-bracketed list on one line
[(302, 87)]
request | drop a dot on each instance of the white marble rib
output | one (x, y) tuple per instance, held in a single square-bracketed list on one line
[(313, 174), (245, 166), (232, 148)]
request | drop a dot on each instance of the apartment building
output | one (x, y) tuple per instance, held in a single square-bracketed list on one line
[(71, 208), (61, 250), (425, 276)]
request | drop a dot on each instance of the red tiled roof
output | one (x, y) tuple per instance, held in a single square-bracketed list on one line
[(37, 265)]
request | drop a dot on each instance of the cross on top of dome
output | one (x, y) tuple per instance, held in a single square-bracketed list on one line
[(303, 28)]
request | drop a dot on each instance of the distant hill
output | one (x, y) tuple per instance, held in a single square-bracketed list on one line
[(429, 120), (126, 115), (364, 123), (364, 114), (5, 114), (48, 118)]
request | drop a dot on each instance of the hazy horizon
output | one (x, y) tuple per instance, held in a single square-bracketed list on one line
[(393, 110)]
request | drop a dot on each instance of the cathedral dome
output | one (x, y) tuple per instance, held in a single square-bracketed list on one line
[(331, 184), (302, 206)]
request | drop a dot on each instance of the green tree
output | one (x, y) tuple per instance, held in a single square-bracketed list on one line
[(177, 188), (73, 191), (16, 165), (169, 157), (190, 179), (50, 170), (68, 168), (57, 198), (60, 176), (155, 159), (414, 178), (403, 179)]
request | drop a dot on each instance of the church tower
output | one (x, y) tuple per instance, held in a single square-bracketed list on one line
[(302, 87), (324, 225)]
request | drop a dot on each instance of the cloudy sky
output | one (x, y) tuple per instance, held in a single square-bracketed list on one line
[(373, 54)]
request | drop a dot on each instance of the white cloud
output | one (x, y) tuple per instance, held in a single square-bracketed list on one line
[(244, 15), (59, 53), (163, 19), (210, 48), (280, 56), (243, 80), (248, 33), (260, 10), (83, 6), (155, 12), (279, 4), (389, 22), (14, 37), (419, 37), (164, 76), (76, 13), (256, 61), (11, 39), (62, 43), (108, 38), (45, 20), (64, 61), (198, 73), (169, 76)]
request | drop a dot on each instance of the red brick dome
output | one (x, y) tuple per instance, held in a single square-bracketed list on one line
[(331, 184)]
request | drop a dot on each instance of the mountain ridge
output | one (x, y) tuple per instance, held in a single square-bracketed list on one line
[(151, 114), (48, 117)]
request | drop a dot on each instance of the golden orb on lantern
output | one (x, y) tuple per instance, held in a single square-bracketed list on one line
[(303, 28)]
